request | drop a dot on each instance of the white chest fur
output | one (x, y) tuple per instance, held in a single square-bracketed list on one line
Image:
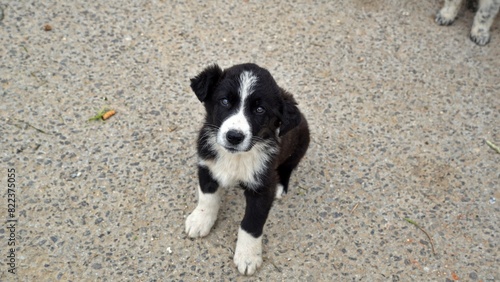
[(229, 169)]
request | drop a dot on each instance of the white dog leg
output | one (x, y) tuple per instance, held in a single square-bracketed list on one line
[(248, 253), (201, 220), (480, 32)]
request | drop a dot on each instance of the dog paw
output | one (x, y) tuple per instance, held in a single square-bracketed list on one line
[(480, 37), (248, 253), (247, 263), (279, 192), (443, 18), (199, 223)]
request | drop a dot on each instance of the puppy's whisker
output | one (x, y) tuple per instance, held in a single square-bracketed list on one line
[(211, 126)]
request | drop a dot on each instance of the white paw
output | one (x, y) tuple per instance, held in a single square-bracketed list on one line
[(480, 36), (279, 191), (444, 17), (201, 220), (248, 253), (448, 13)]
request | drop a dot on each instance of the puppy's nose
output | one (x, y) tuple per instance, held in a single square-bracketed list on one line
[(234, 137)]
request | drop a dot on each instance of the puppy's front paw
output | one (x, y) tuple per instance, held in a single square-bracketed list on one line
[(248, 253), (247, 263), (480, 37), (199, 222)]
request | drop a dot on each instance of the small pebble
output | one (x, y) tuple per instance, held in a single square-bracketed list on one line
[(473, 276)]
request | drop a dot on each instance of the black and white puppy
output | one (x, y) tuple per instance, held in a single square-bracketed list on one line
[(253, 137), (486, 12)]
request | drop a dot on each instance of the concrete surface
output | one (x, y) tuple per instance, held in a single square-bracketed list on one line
[(399, 108)]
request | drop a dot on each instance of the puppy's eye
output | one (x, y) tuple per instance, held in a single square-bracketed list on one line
[(224, 102), (260, 110)]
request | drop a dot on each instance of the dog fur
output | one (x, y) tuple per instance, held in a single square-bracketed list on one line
[(480, 32), (253, 137)]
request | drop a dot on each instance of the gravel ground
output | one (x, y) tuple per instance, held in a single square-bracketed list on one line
[(399, 108)]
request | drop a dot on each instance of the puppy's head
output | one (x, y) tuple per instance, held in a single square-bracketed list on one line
[(245, 104)]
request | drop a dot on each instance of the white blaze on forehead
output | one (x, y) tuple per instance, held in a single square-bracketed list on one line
[(247, 82)]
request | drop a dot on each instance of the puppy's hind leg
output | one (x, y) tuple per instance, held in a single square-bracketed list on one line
[(284, 173), (286, 168), (480, 32), (449, 12)]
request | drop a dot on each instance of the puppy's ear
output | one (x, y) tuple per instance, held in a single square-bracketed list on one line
[(290, 117), (204, 83)]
